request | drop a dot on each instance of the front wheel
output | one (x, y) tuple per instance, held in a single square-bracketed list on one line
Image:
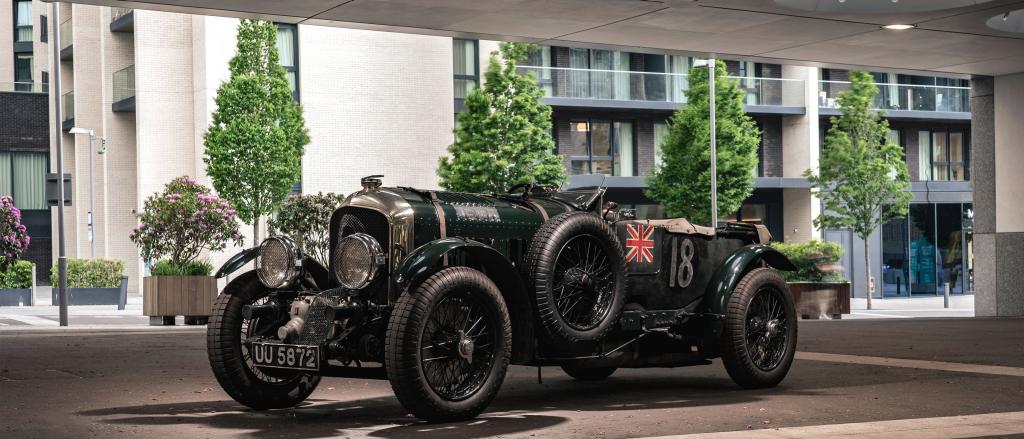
[(448, 345), (759, 340), (226, 344)]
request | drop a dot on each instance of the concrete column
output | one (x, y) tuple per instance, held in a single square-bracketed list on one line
[(799, 153), (997, 106)]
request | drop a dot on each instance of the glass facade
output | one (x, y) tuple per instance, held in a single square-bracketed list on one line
[(23, 71), (602, 147), (943, 155), (288, 56), (929, 247), (23, 21), (23, 177)]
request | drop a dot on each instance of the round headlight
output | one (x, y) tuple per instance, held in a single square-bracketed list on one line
[(357, 260), (277, 262)]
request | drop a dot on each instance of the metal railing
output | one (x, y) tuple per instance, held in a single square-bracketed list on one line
[(116, 13), (124, 83), (903, 97), (66, 37), (68, 106), (23, 87), (622, 85)]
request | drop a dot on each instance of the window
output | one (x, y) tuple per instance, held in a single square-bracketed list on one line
[(23, 71), (46, 81), (943, 155), (465, 66), (538, 61), (660, 134), (23, 177), (601, 147), (44, 31), (598, 74), (288, 54), (23, 21)]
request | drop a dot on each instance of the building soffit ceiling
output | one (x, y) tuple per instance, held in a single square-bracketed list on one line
[(957, 40)]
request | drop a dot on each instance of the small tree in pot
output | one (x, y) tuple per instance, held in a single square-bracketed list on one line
[(176, 226), (15, 275), (306, 219)]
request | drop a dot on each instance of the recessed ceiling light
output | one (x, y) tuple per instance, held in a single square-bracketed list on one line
[(898, 26)]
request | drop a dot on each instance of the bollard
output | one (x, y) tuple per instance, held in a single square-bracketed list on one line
[(945, 295)]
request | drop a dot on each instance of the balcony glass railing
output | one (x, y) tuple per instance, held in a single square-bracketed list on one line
[(24, 87), (116, 13), (903, 97), (124, 83), (66, 37), (68, 106), (623, 85)]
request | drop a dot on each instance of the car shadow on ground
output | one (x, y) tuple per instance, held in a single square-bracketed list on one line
[(521, 407)]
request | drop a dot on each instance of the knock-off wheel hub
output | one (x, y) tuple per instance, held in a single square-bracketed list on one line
[(465, 347)]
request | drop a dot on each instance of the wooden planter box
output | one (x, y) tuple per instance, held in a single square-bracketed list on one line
[(95, 296), (816, 299), (16, 297), (164, 297)]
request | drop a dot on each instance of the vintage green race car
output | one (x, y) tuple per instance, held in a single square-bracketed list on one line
[(439, 292)]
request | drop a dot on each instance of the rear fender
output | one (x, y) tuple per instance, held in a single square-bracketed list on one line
[(431, 258)]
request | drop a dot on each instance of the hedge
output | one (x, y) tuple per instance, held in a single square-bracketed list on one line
[(816, 261), (192, 268), (18, 275), (91, 273)]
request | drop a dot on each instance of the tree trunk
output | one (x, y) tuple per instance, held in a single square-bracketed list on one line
[(867, 267), (256, 231)]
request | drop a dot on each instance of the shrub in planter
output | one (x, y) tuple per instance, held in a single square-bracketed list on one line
[(306, 219), (91, 281), (16, 284), (175, 227), (13, 235), (818, 285)]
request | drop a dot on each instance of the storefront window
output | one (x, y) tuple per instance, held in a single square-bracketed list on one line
[(931, 246), (921, 258), (894, 258)]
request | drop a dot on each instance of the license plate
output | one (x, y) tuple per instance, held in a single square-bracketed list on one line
[(287, 356)]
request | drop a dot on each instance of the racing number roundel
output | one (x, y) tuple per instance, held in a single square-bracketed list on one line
[(639, 244)]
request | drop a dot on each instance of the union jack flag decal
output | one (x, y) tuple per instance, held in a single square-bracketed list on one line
[(639, 243)]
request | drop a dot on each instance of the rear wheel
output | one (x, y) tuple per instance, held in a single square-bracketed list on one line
[(760, 330), (448, 345), (226, 346)]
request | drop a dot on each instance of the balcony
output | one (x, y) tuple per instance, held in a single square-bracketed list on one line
[(655, 91), (23, 87), (122, 20), (904, 100), (68, 110), (66, 41), (124, 90)]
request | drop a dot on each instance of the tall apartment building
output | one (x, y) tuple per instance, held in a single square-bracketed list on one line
[(385, 103)]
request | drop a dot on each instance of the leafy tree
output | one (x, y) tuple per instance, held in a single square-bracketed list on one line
[(503, 138), (862, 178), (307, 220), (254, 144), (682, 183)]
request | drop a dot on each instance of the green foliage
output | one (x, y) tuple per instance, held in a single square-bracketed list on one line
[(816, 261), (14, 237), (17, 275), (306, 219), (91, 273), (191, 268), (255, 142), (503, 137), (862, 178), (182, 221), (682, 183)]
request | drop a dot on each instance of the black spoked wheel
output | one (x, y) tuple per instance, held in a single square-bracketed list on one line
[(584, 286), (577, 269), (226, 341), (760, 330), (458, 346), (448, 345)]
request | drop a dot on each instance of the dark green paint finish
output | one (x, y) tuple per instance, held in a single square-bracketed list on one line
[(237, 261), (734, 267), (427, 258)]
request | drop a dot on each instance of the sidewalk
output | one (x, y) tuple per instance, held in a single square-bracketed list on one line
[(909, 307)]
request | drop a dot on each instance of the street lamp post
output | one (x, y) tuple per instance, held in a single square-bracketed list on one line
[(92, 187), (62, 260), (710, 64)]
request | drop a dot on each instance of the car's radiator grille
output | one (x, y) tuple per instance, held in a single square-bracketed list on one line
[(318, 323), (349, 220)]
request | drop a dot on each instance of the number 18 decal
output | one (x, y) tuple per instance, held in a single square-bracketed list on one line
[(681, 271)]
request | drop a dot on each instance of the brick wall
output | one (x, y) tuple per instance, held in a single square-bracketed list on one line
[(24, 121), (771, 145)]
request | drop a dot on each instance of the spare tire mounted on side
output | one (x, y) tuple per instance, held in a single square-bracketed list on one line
[(576, 269)]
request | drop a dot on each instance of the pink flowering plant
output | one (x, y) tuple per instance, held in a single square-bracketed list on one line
[(179, 223), (13, 235)]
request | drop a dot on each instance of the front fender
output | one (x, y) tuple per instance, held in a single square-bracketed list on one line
[(734, 267), (237, 261), (426, 259)]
